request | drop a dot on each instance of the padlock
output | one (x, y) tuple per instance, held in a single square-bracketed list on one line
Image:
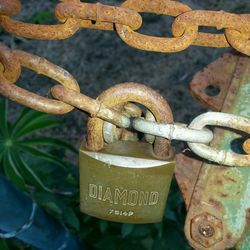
[(126, 181)]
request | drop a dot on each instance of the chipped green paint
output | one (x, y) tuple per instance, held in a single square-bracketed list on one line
[(224, 192), (244, 244), (236, 209), (242, 107)]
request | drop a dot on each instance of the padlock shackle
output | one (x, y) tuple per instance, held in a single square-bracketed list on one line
[(131, 92)]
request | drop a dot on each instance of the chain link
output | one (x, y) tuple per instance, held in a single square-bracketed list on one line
[(215, 155), (221, 20), (176, 131), (197, 136), (125, 19), (98, 15), (10, 68)]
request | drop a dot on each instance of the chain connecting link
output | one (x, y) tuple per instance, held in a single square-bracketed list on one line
[(176, 131), (126, 19), (197, 136), (215, 155), (98, 16), (220, 20)]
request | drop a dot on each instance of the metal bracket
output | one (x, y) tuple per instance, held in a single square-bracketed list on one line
[(218, 197)]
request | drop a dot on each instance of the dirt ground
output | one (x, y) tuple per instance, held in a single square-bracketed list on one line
[(100, 59)]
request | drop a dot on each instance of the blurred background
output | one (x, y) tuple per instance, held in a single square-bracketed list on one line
[(99, 59)]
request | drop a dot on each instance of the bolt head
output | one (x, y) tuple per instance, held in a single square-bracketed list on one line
[(206, 230)]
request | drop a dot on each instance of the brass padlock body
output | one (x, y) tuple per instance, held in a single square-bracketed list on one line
[(124, 182)]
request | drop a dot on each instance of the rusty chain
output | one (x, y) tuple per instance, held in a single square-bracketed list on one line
[(125, 19), (67, 97), (74, 14)]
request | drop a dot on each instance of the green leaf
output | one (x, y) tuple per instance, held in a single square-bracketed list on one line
[(43, 17), (11, 171), (141, 231), (107, 242), (49, 142), (159, 228), (126, 229), (39, 123), (27, 115), (29, 174), (4, 128), (70, 218), (49, 201), (3, 245), (43, 155), (52, 206), (103, 226), (174, 237)]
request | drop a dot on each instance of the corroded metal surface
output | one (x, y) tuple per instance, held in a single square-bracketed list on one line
[(11, 69), (131, 92), (151, 43), (125, 19), (217, 74), (103, 14), (94, 107), (39, 31), (187, 170), (220, 192), (10, 8), (220, 20), (42, 66)]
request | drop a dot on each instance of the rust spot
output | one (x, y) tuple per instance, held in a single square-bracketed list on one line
[(223, 195), (230, 179), (228, 236), (219, 182), (215, 203), (248, 214)]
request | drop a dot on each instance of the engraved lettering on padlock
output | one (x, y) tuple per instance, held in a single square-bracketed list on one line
[(120, 195), (153, 199), (92, 191), (122, 213), (132, 198), (107, 195), (123, 196), (143, 200)]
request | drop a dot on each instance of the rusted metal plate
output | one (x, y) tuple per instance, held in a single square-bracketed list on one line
[(187, 169), (217, 74), (220, 200)]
